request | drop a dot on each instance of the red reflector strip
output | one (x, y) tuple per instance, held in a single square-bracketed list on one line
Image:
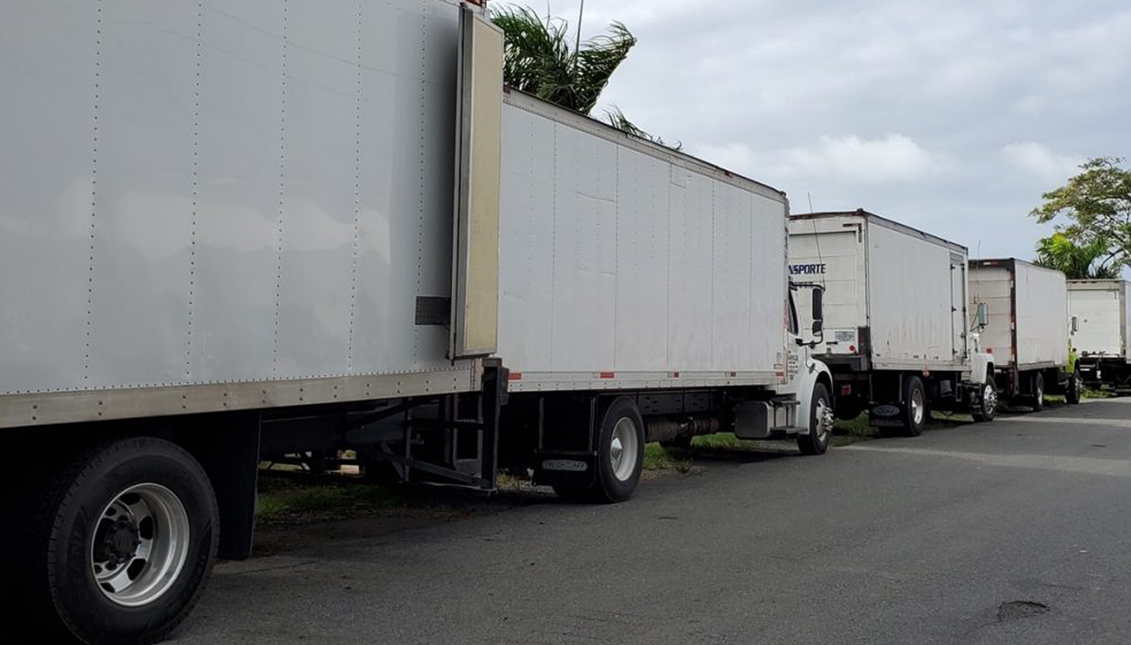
[(515, 376), (608, 374)]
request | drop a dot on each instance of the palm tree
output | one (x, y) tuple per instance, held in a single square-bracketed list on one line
[(539, 59), (1090, 261)]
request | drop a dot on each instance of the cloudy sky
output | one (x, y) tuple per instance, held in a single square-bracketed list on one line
[(951, 116)]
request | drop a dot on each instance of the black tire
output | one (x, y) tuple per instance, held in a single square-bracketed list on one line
[(985, 407), (1072, 389), (820, 430), (61, 593), (1037, 399), (914, 406), (612, 483)]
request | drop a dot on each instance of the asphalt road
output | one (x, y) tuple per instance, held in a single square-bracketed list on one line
[(922, 540)]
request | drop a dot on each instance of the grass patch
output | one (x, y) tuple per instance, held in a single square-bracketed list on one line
[(287, 499), (657, 457)]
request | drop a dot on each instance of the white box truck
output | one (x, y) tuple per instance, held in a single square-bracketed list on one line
[(1101, 313), (282, 229), (896, 333), (1027, 329)]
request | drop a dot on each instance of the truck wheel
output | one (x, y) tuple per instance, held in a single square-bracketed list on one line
[(1072, 390), (985, 408), (914, 407), (120, 543), (1037, 400), (620, 456), (820, 424)]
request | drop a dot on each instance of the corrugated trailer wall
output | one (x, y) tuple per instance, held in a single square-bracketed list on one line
[(1026, 300), (917, 291), (1103, 312), (1042, 316), (224, 208), (625, 263)]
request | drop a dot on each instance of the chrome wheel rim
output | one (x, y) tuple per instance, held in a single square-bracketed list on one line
[(989, 399), (623, 449), (917, 407), (824, 420), (140, 545)]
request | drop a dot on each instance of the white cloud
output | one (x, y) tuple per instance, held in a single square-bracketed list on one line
[(1037, 159), (892, 158), (849, 159)]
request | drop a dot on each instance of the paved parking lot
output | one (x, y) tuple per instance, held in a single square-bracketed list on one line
[(1017, 531)]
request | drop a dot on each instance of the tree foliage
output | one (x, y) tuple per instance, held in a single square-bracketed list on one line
[(618, 120), (1092, 213), (1091, 261), (539, 59)]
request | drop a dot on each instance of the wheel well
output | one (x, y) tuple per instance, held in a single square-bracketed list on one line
[(827, 380)]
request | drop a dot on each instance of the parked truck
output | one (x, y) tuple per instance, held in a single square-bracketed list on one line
[(1101, 313), (1027, 329), (281, 229), (896, 334)]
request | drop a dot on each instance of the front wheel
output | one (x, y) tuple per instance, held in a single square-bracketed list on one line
[(985, 408), (816, 442), (1072, 392), (121, 543)]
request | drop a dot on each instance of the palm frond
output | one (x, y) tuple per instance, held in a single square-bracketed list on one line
[(538, 58), (616, 118)]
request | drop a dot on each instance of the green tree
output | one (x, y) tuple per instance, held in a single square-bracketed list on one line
[(540, 60), (1093, 213), (1091, 261), (618, 120)]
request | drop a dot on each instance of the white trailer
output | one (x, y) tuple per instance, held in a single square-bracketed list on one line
[(1101, 313), (1026, 330), (272, 230), (895, 318)]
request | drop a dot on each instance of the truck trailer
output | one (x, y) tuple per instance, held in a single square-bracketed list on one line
[(1027, 329), (283, 230), (1101, 312), (896, 335)]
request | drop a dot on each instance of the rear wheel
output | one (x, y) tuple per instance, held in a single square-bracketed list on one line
[(121, 543), (1037, 400), (620, 456), (914, 407), (816, 442)]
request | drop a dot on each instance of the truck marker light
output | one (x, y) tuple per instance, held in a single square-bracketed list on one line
[(852, 349), (845, 390), (608, 374), (515, 376)]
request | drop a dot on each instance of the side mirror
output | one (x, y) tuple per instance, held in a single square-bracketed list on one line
[(818, 311), (1075, 324), (981, 315)]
